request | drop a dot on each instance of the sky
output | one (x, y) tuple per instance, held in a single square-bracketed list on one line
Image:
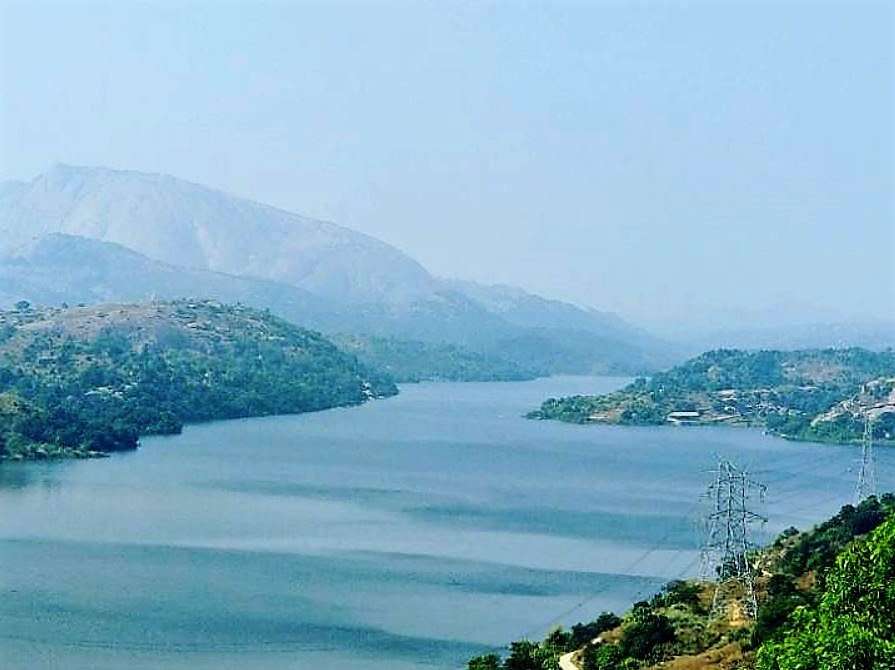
[(719, 162)]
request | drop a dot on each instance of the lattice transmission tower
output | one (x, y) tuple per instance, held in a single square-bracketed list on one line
[(725, 552), (867, 473)]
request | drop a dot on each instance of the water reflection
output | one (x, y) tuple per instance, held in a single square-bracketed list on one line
[(45, 475)]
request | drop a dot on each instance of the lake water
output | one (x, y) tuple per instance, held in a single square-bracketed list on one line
[(407, 533)]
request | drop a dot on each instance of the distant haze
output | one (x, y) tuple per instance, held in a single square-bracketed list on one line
[(716, 164)]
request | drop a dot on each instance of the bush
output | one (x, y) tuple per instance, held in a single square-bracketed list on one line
[(486, 662), (679, 592), (526, 655), (582, 634), (602, 657), (818, 550), (647, 633)]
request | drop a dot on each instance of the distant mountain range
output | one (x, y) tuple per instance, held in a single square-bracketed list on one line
[(90, 235), (188, 225)]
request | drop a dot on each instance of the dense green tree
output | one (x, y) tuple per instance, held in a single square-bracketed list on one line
[(603, 657), (558, 640), (853, 627), (527, 655), (486, 662), (817, 550), (583, 633), (679, 592), (646, 633), (523, 656)]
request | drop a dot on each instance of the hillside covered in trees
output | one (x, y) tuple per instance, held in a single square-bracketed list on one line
[(825, 602), (820, 394), (90, 380), (413, 361)]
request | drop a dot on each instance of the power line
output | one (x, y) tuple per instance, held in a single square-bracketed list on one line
[(725, 551), (866, 486), (658, 544), (727, 545)]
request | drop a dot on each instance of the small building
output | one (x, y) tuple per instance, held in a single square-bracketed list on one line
[(683, 416)]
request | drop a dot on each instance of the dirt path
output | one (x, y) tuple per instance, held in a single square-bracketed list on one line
[(566, 662)]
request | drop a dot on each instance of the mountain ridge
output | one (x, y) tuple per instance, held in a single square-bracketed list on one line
[(315, 273), (184, 223)]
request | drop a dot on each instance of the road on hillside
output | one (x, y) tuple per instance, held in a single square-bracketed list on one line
[(566, 663)]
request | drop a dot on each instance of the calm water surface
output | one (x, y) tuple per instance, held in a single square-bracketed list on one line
[(407, 533)]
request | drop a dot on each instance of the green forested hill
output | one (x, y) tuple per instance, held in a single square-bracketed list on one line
[(822, 394), (93, 379), (850, 620), (411, 361)]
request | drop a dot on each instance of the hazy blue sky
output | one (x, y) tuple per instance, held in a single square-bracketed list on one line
[(658, 159)]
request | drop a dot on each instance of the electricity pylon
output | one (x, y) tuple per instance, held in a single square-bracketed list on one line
[(867, 474), (727, 544)]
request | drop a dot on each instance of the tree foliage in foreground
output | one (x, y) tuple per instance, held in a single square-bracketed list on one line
[(853, 626)]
